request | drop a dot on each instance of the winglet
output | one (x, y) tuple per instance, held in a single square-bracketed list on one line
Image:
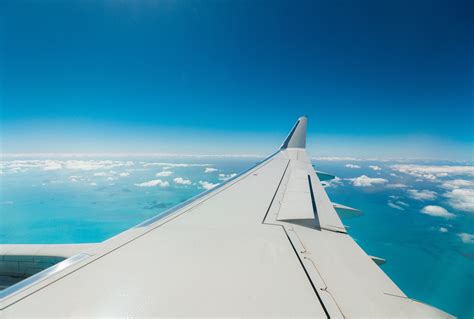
[(297, 136)]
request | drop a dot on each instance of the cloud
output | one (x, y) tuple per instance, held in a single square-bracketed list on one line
[(22, 165), (176, 164), (206, 185), (457, 183), (93, 184), (18, 170), (124, 174), (443, 230), (395, 206), (210, 170), (437, 211), (466, 238), (224, 177), (399, 202), (164, 173), (333, 182), (100, 174), (94, 164), (461, 199), (352, 166), (422, 195), (182, 181), (152, 183), (397, 185), (375, 167), (52, 166), (336, 158), (365, 181), (68, 164), (432, 172)]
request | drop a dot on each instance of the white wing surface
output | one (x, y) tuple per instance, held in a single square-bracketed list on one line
[(266, 243)]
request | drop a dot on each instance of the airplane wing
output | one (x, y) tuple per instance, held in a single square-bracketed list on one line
[(266, 243)]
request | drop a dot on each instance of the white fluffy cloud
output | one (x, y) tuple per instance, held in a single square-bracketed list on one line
[(206, 185), (466, 238), (333, 182), (182, 181), (124, 174), (52, 166), (422, 194), (365, 181), (164, 174), (100, 174), (461, 199), (175, 164), (210, 170), (224, 177), (443, 230), (375, 167), (152, 183), (336, 158), (457, 183), (432, 172), (94, 164), (437, 211), (352, 166)]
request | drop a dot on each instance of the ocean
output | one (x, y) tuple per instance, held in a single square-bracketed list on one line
[(418, 215)]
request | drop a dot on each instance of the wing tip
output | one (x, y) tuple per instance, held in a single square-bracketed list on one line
[(297, 136)]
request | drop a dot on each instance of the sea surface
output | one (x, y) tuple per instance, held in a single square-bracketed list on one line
[(418, 215)]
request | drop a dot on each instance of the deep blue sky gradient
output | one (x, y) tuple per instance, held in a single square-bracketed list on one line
[(376, 78)]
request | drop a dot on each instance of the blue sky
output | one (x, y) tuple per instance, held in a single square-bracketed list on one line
[(376, 79)]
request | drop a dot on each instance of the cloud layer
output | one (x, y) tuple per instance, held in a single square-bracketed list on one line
[(433, 171)]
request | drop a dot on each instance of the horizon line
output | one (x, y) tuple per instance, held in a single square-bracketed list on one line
[(223, 155)]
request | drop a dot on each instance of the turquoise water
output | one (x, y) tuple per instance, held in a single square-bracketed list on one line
[(79, 200)]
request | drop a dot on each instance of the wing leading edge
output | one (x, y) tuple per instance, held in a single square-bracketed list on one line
[(267, 243)]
